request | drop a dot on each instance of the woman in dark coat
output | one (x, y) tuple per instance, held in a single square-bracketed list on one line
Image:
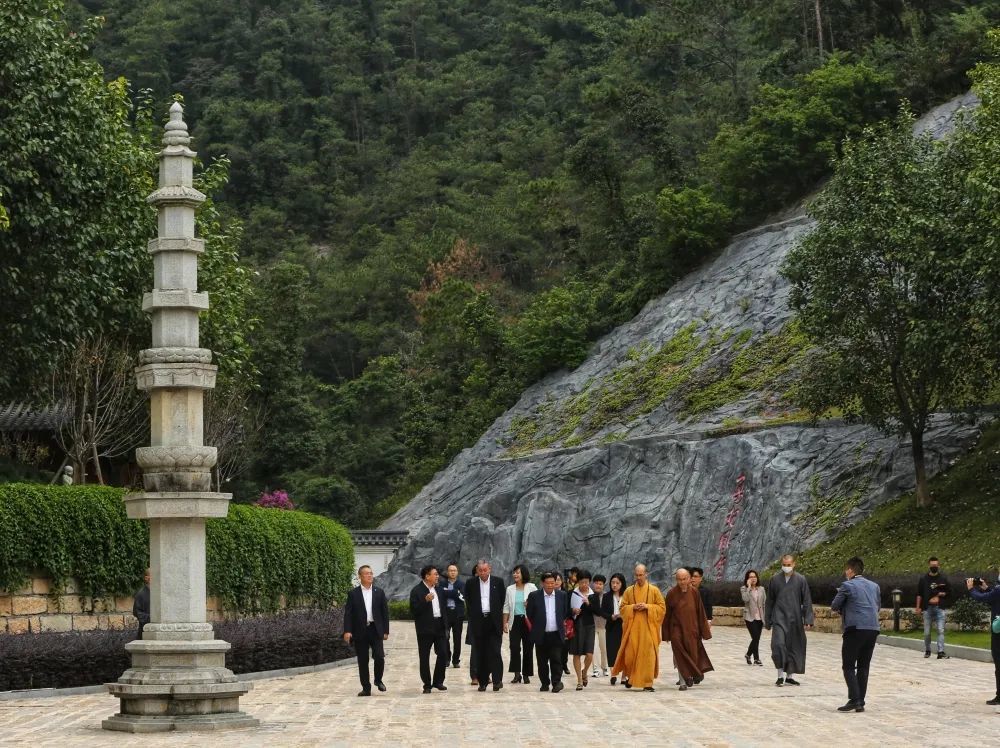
[(610, 606)]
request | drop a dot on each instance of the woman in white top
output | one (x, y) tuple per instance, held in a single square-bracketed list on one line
[(611, 608), (754, 598), (521, 648)]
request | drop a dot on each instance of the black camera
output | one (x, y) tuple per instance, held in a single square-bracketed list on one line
[(978, 581)]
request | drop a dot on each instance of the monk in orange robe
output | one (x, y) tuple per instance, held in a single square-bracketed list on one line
[(642, 610), (685, 626)]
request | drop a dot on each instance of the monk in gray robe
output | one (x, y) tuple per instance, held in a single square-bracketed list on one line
[(788, 613), (685, 627)]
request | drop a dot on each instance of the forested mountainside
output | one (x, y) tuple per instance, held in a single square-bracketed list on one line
[(442, 201)]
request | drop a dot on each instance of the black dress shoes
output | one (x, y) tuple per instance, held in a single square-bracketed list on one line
[(497, 686), (792, 682), (543, 688), (364, 692), (427, 689), (516, 678), (557, 688), (850, 706), (527, 680), (440, 686), (780, 682), (380, 686), (995, 701), (482, 687)]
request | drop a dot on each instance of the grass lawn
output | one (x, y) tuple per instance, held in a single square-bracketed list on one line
[(978, 639), (960, 527)]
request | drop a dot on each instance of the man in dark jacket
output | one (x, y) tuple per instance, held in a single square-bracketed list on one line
[(366, 625), (453, 594), (140, 603), (983, 593), (546, 610), (430, 619), (697, 577), (484, 599)]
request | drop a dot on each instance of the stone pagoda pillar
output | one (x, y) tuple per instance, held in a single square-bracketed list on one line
[(178, 678)]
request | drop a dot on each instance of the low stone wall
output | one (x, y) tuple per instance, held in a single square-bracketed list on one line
[(826, 620), (35, 608)]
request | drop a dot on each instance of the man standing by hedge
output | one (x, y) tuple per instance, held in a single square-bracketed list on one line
[(366, 624), (140, 603), (932, 596)]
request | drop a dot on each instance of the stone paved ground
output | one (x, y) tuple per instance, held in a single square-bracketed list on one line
[(910, 700)]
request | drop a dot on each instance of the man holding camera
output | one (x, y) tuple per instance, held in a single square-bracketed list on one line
[(933, 594), (980, 590)]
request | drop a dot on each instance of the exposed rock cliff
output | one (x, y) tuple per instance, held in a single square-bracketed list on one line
[(637, 454)]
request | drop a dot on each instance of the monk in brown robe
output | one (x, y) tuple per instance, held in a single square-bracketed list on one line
[(642, 610), (685, 626)]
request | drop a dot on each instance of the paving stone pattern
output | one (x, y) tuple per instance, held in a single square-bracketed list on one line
[(737, 705)]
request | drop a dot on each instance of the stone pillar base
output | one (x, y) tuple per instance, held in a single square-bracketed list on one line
[(204, 723), (186, 706)]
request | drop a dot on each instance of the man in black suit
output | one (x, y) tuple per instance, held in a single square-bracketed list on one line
[(430, 619), (484, 599), (453, 592), (546, 610), (366, 624)]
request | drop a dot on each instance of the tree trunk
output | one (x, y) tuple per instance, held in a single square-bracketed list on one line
[(819, 28), (919, 469)]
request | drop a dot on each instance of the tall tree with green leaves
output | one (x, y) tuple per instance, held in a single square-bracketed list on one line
[(889, 286), (74, 174)]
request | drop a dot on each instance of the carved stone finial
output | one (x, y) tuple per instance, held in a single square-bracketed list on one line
[(176, 131)]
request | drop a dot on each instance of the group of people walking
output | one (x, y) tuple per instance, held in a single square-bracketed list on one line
[(570, 618)]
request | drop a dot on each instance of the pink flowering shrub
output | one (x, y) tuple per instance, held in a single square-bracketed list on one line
[(275, 500)]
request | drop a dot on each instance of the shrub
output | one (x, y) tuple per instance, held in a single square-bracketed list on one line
[(89, 658), (254, 556), (399, 610), (274, 500), (71, 532), (969, 614)]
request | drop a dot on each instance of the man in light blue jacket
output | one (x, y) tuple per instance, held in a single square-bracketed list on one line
[(858, 600)]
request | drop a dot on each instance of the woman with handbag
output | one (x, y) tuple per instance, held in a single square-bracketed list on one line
[(521, 648)]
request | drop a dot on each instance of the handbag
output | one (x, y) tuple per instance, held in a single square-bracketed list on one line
[(570, 628), (995, 626)]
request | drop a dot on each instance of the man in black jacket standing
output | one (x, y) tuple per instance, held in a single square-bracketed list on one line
[(366, 625), (546, 610), (430, 619), (453, 592), (140, 604), (697, 577), (484, 598)]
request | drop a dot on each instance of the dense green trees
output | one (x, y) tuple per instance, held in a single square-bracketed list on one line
[(585, 154), (890, 285)]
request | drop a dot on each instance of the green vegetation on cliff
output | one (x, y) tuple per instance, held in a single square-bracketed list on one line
[(960, 528)]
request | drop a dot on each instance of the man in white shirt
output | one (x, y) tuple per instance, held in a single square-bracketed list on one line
[(484, 599), (430, 619), (546, 609), (366, 626)]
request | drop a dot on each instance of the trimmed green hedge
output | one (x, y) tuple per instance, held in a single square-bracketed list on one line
[(70, 532), (254, 556)]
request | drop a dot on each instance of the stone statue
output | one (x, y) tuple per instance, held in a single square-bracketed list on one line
[(67, 475)]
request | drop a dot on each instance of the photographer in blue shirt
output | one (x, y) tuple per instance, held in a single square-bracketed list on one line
[(980, 590), (858, 600)]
